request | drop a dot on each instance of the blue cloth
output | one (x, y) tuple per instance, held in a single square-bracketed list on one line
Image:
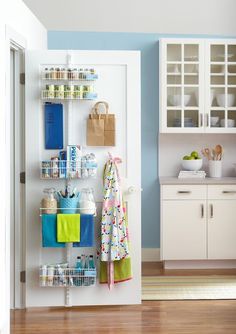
[(49, 231), (86, 231)]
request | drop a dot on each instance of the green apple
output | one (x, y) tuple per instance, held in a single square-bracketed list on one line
[(194, 154), (191, 158), (186, 157)]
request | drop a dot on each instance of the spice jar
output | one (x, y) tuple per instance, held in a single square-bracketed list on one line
[(52, 73), (49, 203), (46, 74), (63, 74)]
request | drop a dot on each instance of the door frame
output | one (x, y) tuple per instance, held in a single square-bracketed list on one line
[(15, 139)]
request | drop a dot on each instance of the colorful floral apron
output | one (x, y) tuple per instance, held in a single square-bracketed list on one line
[(114, 231)]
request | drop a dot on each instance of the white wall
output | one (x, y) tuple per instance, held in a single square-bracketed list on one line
[(157, 16), (18, 17)]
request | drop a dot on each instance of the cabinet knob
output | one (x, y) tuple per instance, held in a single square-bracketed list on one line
[(202, 210), (229, 191), (184, 192), (211, 211)]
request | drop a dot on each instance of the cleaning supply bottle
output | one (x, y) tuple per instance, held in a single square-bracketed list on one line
[(83, 263), (91, 270), (78, 270)]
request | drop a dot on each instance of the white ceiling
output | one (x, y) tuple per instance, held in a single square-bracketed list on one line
[(216, 17)]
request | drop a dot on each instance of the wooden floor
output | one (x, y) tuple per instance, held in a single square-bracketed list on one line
[(164, 317)]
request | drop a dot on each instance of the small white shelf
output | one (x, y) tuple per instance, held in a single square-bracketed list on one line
[(184, 107), (185, 74), (67, 169)]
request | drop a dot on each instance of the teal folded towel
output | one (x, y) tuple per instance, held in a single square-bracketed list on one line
[(49, 231), (86, 231)]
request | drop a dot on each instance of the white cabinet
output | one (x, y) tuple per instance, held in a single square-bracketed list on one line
[(198, 222), (196, 75), (184, 230), (222, 222)]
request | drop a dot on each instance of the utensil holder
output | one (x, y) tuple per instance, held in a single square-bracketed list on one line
[(215, 168), (69, 205)]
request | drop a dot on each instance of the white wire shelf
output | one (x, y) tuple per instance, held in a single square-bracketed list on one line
[(55, 276), (67, 95), (67, 169), (81, 210), (69, 75)]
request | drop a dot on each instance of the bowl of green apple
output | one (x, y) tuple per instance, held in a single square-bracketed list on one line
[(192, 162)]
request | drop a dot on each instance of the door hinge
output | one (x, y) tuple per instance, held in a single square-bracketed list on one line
[(22, 177), (22, 276), (22, 78)]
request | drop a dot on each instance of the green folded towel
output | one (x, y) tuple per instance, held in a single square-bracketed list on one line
[(68, 227), (122, 271)]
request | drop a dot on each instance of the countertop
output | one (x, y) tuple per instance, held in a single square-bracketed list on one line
[(174, 180)]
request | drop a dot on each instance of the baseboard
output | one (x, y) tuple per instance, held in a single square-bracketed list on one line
[(150, 254), (200, 264)]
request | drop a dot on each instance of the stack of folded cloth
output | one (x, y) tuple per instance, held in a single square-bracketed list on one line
[(187, 174)]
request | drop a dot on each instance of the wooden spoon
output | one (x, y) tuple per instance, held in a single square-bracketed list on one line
[(207, 153), (218, 151)]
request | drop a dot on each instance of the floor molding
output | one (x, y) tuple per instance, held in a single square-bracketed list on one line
[(200, 264), (150, 254)]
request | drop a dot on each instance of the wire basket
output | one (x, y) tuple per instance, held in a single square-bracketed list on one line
[(57, 276)]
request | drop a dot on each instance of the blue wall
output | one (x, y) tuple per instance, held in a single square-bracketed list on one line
[(148, 45)]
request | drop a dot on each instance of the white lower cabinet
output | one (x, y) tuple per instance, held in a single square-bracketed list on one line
[(222, 229), (184, 230), (198, 222)]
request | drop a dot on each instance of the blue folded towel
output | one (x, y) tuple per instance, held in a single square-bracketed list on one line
[(49, 231), (86, 231)]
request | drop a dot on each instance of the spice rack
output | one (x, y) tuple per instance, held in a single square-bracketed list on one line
[(75, 74), (55, 276), (68, 92), (57, 89)]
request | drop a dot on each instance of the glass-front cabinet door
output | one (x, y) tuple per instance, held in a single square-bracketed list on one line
[(221, 91), (181, 74)]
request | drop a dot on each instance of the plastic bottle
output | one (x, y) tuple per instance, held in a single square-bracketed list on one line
[(78, 271), (91, 270)]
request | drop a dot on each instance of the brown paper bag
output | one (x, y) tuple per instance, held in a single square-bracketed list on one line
[(101, 127)]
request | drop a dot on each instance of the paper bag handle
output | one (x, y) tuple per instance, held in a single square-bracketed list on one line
[(95, 109)]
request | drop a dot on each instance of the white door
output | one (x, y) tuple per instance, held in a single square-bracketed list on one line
[(222, 229), (184, 230), (119, 84)]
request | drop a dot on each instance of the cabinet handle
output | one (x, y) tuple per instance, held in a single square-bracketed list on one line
[(184, 192), (202, 210), (229, 191), (201, 120), (211, 211), (207, 120)]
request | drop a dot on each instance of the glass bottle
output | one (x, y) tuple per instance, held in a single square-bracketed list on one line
[(49, 202), (87, 202)]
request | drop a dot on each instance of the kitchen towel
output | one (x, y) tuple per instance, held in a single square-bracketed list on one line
[(68, 227), (49, 231), (122, 271), (86, 231)]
